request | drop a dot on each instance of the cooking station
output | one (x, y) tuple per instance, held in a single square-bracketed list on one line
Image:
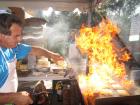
[(105, 81), (71, 95), (108, 79)]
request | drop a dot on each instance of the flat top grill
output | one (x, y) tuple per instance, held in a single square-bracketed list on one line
[(123, 100)]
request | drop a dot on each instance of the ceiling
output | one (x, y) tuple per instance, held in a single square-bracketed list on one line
[(60, 5)]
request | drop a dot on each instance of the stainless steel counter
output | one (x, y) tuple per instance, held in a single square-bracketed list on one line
[(43, 76)]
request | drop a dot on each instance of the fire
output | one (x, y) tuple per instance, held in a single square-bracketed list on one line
[(106, 68)]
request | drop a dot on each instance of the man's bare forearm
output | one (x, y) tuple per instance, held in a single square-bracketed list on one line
[(38, 51)]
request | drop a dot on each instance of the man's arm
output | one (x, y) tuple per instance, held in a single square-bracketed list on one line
[(6, 98), (38, 51), (19, 98)]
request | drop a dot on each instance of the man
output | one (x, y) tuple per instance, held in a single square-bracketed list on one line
[(10, 50)]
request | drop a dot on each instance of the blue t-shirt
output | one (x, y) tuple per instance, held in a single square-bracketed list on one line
[(20, 52)]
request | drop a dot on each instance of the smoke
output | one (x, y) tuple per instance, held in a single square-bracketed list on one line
[(56, 36)]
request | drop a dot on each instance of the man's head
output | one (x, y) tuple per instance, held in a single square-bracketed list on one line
[(10, 30)]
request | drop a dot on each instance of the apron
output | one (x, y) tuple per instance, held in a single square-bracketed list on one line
[(11, 84)]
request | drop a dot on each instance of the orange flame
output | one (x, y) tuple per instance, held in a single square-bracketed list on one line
[(105, 69)]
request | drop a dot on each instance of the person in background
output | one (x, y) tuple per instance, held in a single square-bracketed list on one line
[(10, 51)]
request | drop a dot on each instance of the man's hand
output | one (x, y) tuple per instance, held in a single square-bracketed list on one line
[(23, 98), (56, 57)]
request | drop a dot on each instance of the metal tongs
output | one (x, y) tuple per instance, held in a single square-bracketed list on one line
[(69, 70)]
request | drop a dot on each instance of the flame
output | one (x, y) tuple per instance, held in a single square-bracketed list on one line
[(105, 66), (125, 56)]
